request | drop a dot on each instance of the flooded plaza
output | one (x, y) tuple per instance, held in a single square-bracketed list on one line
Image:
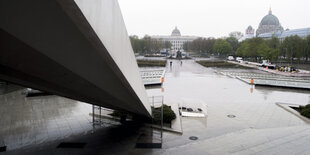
[(259, 125)]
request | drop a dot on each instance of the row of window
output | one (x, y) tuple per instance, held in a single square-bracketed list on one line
[(300, 32)]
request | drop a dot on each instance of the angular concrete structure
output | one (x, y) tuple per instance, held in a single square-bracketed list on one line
[(77, 49)]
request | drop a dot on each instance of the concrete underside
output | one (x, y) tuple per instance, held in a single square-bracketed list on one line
[(55, 47)]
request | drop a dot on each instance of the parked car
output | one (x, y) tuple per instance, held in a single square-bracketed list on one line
[(266, 63), (230, 58), (189, 109), (239, 59)]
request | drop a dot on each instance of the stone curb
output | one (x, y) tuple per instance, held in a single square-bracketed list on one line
[(287, 107)]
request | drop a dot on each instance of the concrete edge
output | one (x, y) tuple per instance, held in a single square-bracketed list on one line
[(287, 87), (150, 125), (243, 80), (287, 107), (166, 129), (105, 116)]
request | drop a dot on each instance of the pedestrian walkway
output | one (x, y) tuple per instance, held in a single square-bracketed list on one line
[(259, 126)]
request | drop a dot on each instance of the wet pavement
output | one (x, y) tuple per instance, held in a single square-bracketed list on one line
[(260, 127), (34, 124), (258, 119)]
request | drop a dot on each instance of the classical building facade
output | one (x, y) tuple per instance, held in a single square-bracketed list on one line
[(176, 40), (269, 24)]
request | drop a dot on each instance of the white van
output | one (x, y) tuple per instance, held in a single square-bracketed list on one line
[(230, 58), (239, 59)]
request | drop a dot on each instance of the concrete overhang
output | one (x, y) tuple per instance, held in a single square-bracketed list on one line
[(76, 49)]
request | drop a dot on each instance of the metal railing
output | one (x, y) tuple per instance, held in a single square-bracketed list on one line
[(157, 103)]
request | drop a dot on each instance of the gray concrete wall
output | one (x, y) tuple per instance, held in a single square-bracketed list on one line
[(101, 13), (77, 49)]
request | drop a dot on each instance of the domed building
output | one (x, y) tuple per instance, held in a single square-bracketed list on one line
[(176, 32), (269, 24), (270, 27), (176, 40)]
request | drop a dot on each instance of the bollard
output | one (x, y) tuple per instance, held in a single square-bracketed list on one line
[(252, 81)]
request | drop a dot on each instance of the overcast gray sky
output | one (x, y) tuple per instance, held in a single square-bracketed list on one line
[(209, 18)]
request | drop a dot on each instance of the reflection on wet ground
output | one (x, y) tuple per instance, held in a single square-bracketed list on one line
[(254, 108), (39, 124), (28, 123)]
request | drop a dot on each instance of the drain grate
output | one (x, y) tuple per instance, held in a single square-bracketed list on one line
[(231, 116), (71, 145), (193, 138), (2, 148)]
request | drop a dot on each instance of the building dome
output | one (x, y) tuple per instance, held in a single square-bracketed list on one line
[(270, 19), (249, 30), (269, 24), (176, 32)]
